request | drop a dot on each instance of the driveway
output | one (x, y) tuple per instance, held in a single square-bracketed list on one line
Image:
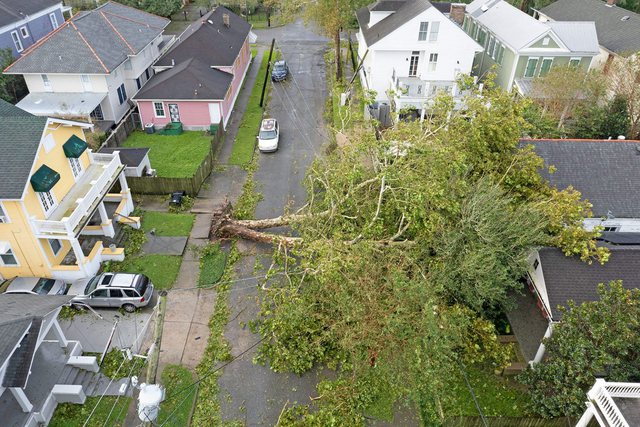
[(252, 393)]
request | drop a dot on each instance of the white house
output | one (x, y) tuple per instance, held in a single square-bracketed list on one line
[(411, 50), (92, 64)]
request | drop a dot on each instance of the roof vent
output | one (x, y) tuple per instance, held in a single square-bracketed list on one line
[(625, 18), (225, 19), (484, 7)]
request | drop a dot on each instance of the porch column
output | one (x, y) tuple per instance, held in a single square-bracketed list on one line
[(124, 188), (22, 399), (103, 213), (123, 183), (77, 250), (57, 331)]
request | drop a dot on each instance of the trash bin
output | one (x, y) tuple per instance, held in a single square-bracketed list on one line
[(149, 128), (213, 129)]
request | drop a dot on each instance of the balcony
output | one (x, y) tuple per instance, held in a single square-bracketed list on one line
[(79, 204), (415, 92)]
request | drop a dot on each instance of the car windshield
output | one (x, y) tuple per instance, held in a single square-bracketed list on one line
[(91, 285), (43, 287), (142, 284), (267, 134), (279, 67)]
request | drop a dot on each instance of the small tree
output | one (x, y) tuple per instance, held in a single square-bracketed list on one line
[(594, 338), (624, 81), (616, 119), (12, 87)]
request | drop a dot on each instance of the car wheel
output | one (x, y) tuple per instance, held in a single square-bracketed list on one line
[(129, 308)]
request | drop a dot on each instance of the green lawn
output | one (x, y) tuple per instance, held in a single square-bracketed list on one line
[(497, 395), (167, 224), (71, 414), (176, 156), (212, 263), (245, 141), (177, 379), (161, 269)]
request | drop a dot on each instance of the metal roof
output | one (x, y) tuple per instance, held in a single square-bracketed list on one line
[(92, 42), (605, 172), (619, 35)]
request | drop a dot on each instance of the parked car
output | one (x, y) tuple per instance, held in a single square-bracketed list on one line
[(280, 71), (36, 286), (118, 290), (269, 135)]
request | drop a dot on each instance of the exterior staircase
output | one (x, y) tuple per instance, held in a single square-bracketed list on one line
[(93, 383)]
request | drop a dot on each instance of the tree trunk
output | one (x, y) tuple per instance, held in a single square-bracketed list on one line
[(233, 229), (336, 41)]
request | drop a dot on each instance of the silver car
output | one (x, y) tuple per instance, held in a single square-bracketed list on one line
[(36, 286), (118, 290)]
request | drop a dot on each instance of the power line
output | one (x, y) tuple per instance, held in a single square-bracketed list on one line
[(118, 398), (104, 393)]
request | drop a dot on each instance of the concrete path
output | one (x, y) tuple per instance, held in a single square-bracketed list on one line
[(164, 245)]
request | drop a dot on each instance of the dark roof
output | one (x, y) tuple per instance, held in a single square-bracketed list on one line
[(444, 7), (16, 306), (11, 333), (615, 34), (527, 322), (209, 40), (131, 157), (386, 5), (568, 278), (404, 13), (190, 80), (605, 172), (16, 10), (19, 365), (92, 42), (20, 135)]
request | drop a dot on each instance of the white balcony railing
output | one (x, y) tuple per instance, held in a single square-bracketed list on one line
[(82, 198)]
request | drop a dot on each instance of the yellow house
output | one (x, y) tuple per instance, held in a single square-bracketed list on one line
[(53, 196)]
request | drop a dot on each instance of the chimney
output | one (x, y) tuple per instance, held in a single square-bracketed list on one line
[(611, 2), (225, 19), (457, 12)]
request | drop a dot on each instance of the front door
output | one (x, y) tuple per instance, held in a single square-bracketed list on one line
[(174, 113)]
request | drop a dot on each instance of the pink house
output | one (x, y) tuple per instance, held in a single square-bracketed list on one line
[(197, 81)]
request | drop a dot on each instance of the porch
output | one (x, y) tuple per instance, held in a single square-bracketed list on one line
[(413, 92)]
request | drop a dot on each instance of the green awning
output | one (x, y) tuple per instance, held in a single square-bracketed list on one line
[(44, 179), (74, 147)]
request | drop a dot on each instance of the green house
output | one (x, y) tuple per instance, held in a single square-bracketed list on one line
[(519, 48)]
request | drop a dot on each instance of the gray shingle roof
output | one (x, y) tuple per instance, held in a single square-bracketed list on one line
[(16, 10), (94, 42), (621, 37), (11, 332), (19, 365), (190, 80), (605, 172), (404, 13), (131, 157), (20, 135), (212, 42), (568, 278)]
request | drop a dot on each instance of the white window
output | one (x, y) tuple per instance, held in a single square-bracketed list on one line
[(47, 200), (24, 32), (545, 41), (55, 245), (7, 258), (545, 66), (574, 62), (47, 83), (86, 82), (532, 64), (76, 166), (433, 62), (16, 41), (54, 20), (3, 215), (159, 109), (433, 34), (492, 43), (424, 29)]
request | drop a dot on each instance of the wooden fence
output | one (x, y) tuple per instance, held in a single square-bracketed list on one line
[(129, 123), (508, 422), (163, 185)]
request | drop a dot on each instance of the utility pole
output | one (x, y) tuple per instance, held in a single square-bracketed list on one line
[(266, 75)]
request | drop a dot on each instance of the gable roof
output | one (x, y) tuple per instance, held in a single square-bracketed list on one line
[(519, 30), (190, 80), (210, 40), (20, 135), (92, 42), (17, 10), (405, 10), (605, 172), (568, 278), (131, 157), (616, 35)]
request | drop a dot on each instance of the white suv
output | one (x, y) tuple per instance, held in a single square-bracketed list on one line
[(269, 135)]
